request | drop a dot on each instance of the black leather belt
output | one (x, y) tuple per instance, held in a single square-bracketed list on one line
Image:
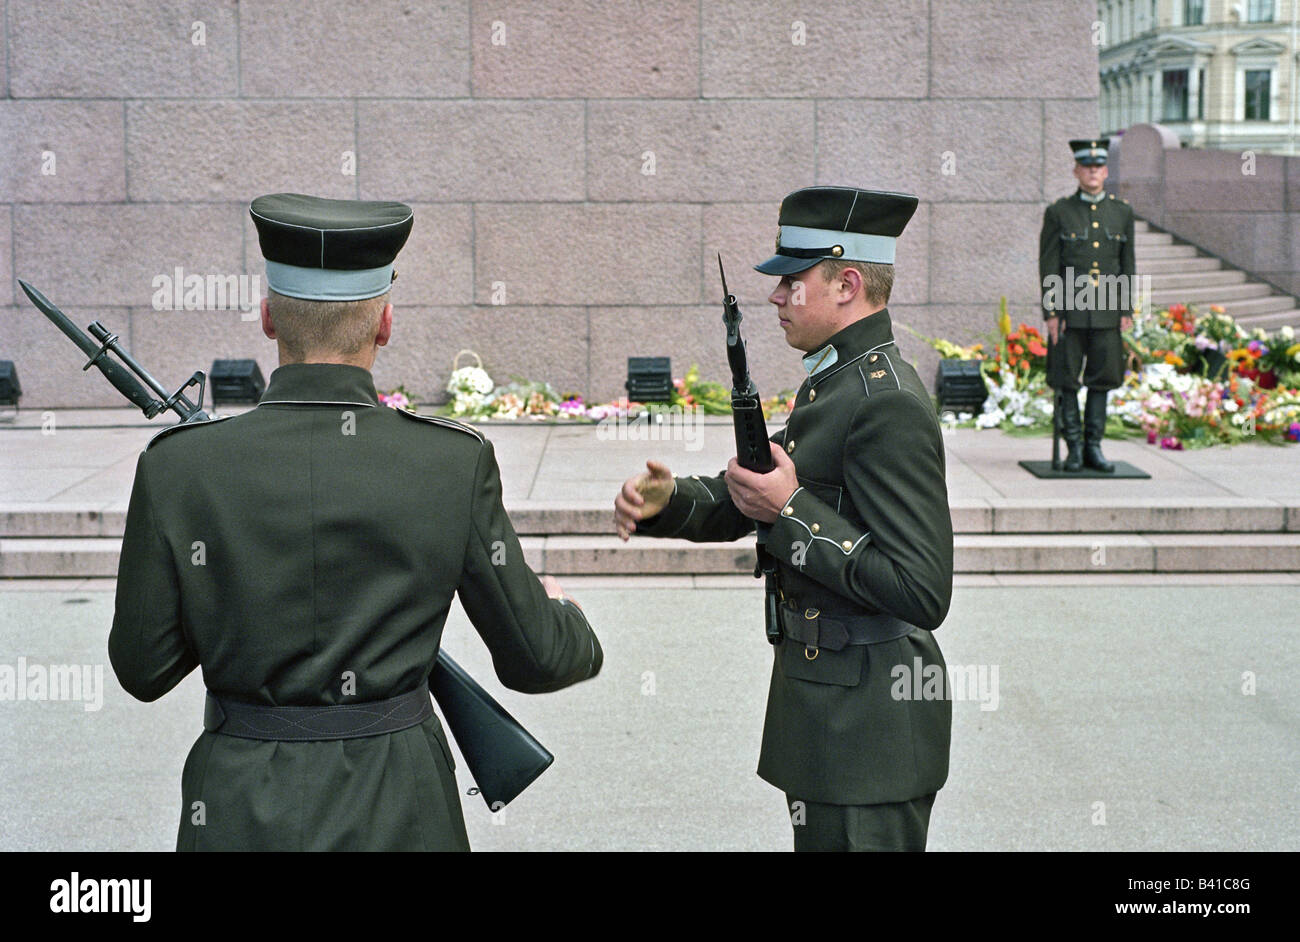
[(809, 627), (311, 723)]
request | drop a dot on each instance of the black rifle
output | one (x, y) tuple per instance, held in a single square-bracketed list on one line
[(503, 757), (753, 450), (1057, 399)]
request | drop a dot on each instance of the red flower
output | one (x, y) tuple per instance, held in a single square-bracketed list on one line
[(1037, 349)]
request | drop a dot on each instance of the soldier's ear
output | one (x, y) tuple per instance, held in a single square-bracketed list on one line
[(385, 326), (268, 327), (850, 284)]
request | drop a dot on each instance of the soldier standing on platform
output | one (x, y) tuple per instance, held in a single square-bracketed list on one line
[(305, 554), (1089, 232), (855, 514)]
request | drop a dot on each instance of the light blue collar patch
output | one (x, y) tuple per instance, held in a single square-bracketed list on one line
[(814, 363)]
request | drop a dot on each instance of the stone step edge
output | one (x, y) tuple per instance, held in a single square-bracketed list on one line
[(989, 553), (969, 515)]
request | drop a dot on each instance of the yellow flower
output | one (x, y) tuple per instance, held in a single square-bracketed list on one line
[(1241, 353), (1004, 318), (1293, 349), (1174, 359)]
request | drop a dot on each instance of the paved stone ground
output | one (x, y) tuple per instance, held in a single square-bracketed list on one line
[(1125, 695), (90, 460)]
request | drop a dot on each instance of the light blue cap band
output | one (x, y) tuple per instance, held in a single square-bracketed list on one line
[(1086, 152), (327, 284), (858, 247)]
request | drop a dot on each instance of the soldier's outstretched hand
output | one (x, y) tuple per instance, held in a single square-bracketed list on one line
[(642, 496)]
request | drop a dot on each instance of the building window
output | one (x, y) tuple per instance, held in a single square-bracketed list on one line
[(1174, 95), (1257, 94), (1194, 12), (1200, 96), (1260, 11)]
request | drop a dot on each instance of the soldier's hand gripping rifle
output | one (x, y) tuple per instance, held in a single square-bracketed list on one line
[(753, 450), (503, 757)]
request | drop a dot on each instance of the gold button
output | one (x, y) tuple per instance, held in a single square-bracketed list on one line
[(789, 447), (1096, 245), (1094, 266), (873, 358), (837, 250), (787, 511), (1093, 207), (1095, 224), (812, 394), (847, 545), (816, 528)]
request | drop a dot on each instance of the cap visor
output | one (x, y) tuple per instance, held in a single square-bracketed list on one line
[(786, 265)]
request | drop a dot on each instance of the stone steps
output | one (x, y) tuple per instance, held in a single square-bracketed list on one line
[(1208, 294), (969, 515), (1004, 535), (38, 557), (1161, 266), (1180, 273)]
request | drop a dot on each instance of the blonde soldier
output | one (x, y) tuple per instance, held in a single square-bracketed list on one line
[(855, 513), (305, 555)]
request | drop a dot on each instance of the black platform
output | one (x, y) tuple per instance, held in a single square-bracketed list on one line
[(1043, 469)]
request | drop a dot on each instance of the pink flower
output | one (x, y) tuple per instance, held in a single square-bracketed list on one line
[(1172, 443)]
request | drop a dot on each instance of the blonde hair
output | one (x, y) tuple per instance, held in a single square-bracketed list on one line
[(877, 278), (315, 328)]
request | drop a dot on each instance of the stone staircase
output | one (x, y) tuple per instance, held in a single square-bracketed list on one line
[(993, 535), (1181, 273)]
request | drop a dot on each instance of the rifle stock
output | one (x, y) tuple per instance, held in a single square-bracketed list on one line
[(503, 757)]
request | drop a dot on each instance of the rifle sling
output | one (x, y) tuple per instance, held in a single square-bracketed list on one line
[(312, 723)]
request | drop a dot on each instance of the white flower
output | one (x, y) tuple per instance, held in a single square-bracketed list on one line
[(1287, 333), (1230, 405), (1022, 420), (990, 419), (470, 379)]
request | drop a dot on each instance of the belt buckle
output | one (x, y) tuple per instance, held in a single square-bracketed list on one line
[(810, 614)]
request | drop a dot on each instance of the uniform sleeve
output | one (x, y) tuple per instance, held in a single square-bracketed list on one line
[(538, 644), (1049, 256), (701, 510), (901, 563), (147, 646)]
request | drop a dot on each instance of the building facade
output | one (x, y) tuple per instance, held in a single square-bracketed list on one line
[(1218, 73)]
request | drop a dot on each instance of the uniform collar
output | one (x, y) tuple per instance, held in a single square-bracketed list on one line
[(848, 345), (1090, 199), (321, 382)]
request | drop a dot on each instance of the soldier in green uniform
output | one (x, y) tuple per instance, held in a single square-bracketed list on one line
[(855, 516), (1085, 250), (305, 555)]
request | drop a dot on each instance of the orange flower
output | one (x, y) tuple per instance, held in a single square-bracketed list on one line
[(1174, 359), (1037, 349)]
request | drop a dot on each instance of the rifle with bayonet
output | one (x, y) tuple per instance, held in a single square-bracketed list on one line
[(753, 449), (503, 757)]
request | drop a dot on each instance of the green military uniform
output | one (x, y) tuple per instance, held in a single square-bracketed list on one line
[(868, 531), (1085, 238), (306, 553)]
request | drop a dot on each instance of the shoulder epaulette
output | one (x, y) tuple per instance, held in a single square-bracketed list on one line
[(180, 425), (443, 421), (877, 372)]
